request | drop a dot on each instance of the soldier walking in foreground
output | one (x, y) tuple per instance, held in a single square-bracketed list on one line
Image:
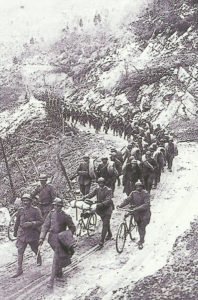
[(59, 238), (27, 230), (46, 194), (103, 207), (140, 201)]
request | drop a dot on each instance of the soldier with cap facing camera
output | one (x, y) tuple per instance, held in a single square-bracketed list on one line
[(27, 230), (139, 200), (46, 195), (60, 239)]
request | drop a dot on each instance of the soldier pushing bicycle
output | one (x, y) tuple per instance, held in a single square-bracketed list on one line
[(139, 200)]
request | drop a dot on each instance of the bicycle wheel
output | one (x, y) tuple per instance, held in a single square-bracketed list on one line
[(121, 237), (11, 227), (79, 228), (91, 224), (132, 228)]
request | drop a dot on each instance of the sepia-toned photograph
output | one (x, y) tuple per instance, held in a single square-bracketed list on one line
[(99, 150)]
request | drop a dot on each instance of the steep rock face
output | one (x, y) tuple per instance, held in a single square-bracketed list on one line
[(155, 71)]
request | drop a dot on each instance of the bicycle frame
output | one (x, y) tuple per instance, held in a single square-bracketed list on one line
[(124, 230)]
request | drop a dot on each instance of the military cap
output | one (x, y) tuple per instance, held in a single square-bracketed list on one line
[(101, 179), (131, 158), (58, 201), (148, 152), (104, 158), (134, 161), (43, 177), (139, 183), (113, 153), (27, 197), (130, 145)]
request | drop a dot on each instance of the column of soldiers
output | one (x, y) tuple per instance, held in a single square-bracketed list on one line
[(140, 164)]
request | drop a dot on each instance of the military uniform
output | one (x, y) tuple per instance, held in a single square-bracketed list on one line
[(142, 216), (159, 158), (148, 173), (55, 223), (46, 196), (131, 174), (83, 178), (27, 231), (104, 208), (110, 179), (171, 152)]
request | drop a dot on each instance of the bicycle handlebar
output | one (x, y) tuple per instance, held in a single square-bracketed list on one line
[(127, 210)]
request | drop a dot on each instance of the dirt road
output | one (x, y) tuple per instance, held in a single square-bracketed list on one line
[(174, 205)]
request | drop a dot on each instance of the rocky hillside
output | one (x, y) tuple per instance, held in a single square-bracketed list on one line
[(150, 63), (176, 280)]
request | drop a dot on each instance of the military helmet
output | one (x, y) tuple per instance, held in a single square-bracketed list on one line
[(113, 154), (43, 177), (139, 183), (134, 161), (104, 158), (26, 197), (131, 158), (148, 152), (57, 201), (101, 179)]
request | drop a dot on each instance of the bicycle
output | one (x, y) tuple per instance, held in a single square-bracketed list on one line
[(87, 223), (124, 229)]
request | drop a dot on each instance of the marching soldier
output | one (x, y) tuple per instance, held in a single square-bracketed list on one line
[(171, 151), (149, 170), (103, 207), (46, 195), (84, 178), (59, 238), (128, 150), (131, 174), (108, 172), (140, 201), (27, 230), (118, 165), (159, 158)]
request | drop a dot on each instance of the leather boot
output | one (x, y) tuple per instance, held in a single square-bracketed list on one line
[(19, 270)]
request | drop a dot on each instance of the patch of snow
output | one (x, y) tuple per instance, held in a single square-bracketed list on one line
[(10, 120), (4, 216), (109, 79), (183, 75)]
